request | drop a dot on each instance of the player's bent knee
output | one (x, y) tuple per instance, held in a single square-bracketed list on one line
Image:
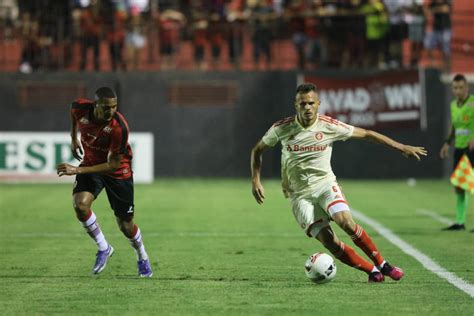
[(348, 226), (126, 226), (345, 221), (81, 206)]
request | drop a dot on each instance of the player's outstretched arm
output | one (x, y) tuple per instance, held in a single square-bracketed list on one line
[(406, 150), (112, 164), (256, 167)]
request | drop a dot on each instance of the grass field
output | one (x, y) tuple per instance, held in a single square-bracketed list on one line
[(215, 251)]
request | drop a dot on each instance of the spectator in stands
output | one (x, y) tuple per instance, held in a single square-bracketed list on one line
[(376, 29), (396, 32), (170, 24), (135, 39), (91, 28), (28, 12), (440, 35), (261, 18), (215, 33), (199, 29), (315, 50), (115, 34), (416, 22), (236, 18), (31, 52), (8, 14), (353, 52), (338, 18), (326, 11), (29, 30), (294, 15), (61, 12)]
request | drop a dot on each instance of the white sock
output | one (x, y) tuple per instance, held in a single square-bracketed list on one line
[(381, 265), (93, 229), (137, 244), (374, 269)]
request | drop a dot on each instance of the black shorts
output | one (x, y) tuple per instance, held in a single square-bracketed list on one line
[(119, 191), (458, 152)]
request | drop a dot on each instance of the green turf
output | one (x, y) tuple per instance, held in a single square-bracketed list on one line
[(215, 251)]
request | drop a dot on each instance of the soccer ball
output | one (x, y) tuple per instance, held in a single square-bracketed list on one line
[(320, 268)]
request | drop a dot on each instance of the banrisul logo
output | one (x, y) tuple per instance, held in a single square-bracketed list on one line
[(301, 148)]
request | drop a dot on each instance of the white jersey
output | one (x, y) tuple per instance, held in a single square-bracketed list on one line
[(306, 152)]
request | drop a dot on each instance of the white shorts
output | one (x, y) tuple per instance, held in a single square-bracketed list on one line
[(314, 212)]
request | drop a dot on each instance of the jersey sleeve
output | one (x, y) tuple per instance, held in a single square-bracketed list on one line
[(119, 140), (339, 130), (344, 131), (75, 110), (271, 137), (80, 106)]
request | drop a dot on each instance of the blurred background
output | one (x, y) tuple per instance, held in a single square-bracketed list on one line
[(202, 80)]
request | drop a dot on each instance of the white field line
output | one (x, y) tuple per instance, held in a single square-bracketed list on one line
[(156, 234), (426, 261), (435, 216)]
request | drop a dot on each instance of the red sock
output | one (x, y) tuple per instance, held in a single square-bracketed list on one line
[(85, 217), (348, 256), (363, 241)]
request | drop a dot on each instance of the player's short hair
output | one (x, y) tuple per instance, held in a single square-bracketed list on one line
[(105, 93), (460, 77), (305, 88)]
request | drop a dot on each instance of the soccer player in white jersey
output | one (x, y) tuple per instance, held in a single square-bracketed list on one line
[(309, 182)]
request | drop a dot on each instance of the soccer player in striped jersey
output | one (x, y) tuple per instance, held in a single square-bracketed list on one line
[(308, 180), (106, 163), (462, 133)]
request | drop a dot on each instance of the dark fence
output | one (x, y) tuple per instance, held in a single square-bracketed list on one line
[(205, 124)]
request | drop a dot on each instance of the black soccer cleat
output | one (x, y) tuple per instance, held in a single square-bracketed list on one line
[(455, 226), (376, 277)]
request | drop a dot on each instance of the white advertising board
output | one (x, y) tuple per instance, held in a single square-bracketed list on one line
[(33, 156)]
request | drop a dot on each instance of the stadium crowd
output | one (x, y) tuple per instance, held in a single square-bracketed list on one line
[(58, 34)]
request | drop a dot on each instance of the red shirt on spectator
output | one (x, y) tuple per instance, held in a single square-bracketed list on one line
[(311, 27), (116, 31), (297, 21), (170, 25), (91, 23)]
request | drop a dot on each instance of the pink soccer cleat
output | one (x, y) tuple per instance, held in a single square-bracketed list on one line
[(395, 273), (376, 277)]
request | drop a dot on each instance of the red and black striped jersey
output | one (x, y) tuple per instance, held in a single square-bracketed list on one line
[(98, 139)]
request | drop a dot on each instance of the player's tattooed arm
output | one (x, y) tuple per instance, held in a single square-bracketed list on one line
[(406, 150), (255, 167), (76, 147)]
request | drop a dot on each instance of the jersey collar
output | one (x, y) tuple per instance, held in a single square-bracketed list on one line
[(463, 101), (309, 127)]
